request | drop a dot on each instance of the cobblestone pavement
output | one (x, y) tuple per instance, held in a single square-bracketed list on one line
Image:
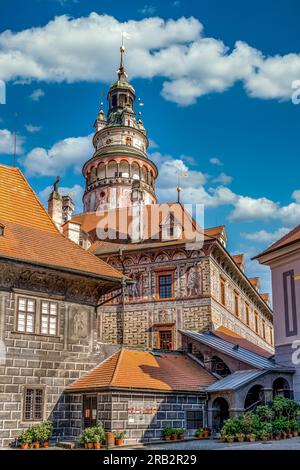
[(284, 444)]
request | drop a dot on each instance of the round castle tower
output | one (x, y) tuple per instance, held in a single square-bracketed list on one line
[(119, 174)]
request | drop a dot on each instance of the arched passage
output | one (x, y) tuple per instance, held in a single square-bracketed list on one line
[(220, 412), (281, 387), (219, 367), (253, 397)]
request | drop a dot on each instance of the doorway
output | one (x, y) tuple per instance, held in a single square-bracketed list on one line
[(89, 411)]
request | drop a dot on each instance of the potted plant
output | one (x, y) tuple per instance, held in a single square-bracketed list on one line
[(87, 438), (119, 438), (46, 432), (110, 438), (167, 432), (97, 441), (277, 434), (206, 433), (180, 434), (174, 434), (36, 436), (229, 438), (240, 437), (199, 433), (294, 427), (251, 437), (25, 439)]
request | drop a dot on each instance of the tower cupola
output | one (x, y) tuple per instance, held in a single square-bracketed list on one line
[(119, 174)]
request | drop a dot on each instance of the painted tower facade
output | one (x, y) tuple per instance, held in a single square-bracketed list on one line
[(119, 174)]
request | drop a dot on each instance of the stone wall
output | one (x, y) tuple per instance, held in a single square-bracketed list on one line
[(49, 362), (170, 410), (195, 304)]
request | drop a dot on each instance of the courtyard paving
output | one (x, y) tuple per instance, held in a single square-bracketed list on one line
[(284, 444)]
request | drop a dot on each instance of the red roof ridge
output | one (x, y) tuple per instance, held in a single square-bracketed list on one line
[(36, 198)]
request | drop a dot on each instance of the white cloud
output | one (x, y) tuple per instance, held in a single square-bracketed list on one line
[(296, 195), (153, 144), (37, 94), (32, 129), (222, 178), (215, 161), (76, 193), (247, 208), (70, 152), (7, 142), (263, 236), (191, 64), (147, 10)]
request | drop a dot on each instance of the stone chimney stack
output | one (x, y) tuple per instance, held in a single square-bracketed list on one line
[(55, 204), (68, 207)]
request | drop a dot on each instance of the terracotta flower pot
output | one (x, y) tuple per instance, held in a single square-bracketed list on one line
[(251, 439), (85, 445), (230, 439), (173, 437), (97, 445), (24, 445), (240, 439), (181, 437), (110, 438), (167, 438), (90, 445), (205, 434), (283, 435), (46, 444), (295, 433), (36, 445), (119, 442)]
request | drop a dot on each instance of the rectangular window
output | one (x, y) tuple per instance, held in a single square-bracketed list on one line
[(247, 310), (165, 339), (236, 304), (165, 286), (26, 315), (33, 404), (49, 316), (222, 289), (256, 323), (194, 419), (271, 335), (264, 329)]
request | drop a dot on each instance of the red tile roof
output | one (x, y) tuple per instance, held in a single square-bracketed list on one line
[(138, 369), (30, 235), (228, 335), (292, 237)]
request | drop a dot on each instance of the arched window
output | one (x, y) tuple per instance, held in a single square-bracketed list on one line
[(220, 412), (93, 175), (281, 387), (135, 171), (124, 169), (101, 171), (112, 169), (219, 367), (254, 397)]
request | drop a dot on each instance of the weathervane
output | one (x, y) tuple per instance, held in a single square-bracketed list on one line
[(180, 174)]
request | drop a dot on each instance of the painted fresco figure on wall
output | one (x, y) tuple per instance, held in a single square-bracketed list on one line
[(193, 284)]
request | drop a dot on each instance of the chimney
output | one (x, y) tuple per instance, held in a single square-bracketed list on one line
[(72, 231), (55, 205), (255, 281), (240, 261), (266, 298), (67, 208), (55, 208)]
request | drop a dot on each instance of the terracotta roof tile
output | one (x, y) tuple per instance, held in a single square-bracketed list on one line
[(292, 237), (136, 369), (232, 337), (30, 235)]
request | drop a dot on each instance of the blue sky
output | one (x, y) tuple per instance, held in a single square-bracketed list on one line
[(216, 79)]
